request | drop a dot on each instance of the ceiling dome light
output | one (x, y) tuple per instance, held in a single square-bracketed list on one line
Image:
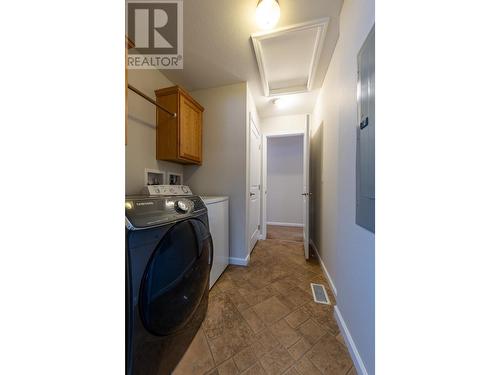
[(285, 101), (267, 13)]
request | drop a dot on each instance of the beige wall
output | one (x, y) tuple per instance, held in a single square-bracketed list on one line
[(140, 152), (283, 124), (348, 250), (224, 156)]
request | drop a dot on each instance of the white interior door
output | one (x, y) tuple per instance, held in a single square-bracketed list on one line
[(305, 191), (255, 175)]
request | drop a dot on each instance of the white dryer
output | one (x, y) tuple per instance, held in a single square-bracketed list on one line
[(218, 218)]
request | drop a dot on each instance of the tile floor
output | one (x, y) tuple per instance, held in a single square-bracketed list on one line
[(262, 319), (284, 233)]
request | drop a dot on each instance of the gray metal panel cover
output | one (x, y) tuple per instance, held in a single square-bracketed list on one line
[(365, 150)]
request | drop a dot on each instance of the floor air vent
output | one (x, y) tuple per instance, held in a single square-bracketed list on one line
[(319, 294)]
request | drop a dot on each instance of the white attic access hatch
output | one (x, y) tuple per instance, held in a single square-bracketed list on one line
[(288, 57)]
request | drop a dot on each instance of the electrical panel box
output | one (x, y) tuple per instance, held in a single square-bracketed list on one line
[(365, 145)]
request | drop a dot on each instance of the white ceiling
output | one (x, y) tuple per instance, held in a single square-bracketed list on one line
[(218, 49)]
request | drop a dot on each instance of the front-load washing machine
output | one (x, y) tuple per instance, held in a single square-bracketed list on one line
[(169, 255)]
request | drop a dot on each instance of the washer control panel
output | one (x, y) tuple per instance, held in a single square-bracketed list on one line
[(167, 190), (149, 211)]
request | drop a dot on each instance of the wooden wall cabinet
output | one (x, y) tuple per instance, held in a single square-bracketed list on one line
[(179, 139)]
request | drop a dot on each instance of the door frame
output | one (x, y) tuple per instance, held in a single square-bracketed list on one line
[(263, 195)]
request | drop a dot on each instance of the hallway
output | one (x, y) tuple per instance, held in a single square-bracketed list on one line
[(262, 318)]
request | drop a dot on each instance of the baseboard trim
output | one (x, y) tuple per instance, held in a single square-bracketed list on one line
[(278, 223), (328, 277), (239, 261), (351, 346)]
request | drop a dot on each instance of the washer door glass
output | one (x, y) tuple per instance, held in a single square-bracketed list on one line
[(176, 277)]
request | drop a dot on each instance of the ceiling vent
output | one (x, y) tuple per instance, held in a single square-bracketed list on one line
[(288, 57)]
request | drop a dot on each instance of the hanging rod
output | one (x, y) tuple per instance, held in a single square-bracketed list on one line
[(140, 93)]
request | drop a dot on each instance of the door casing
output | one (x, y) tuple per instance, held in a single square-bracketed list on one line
[(306, 188)]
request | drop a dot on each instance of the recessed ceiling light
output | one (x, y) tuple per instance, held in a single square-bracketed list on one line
[(267, 13), (277, 101), (285, 101)]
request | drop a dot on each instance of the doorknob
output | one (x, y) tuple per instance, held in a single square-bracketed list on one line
[(307, 194), (252, 194)]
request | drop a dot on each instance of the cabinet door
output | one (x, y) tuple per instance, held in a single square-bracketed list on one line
[(190, 130)]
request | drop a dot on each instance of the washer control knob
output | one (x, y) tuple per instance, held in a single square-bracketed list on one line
[(182, 206)]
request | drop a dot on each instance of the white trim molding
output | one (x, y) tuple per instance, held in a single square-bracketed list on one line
[(351, 346), (323, 267), (239, 261), (278, 223), (320, 26)]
